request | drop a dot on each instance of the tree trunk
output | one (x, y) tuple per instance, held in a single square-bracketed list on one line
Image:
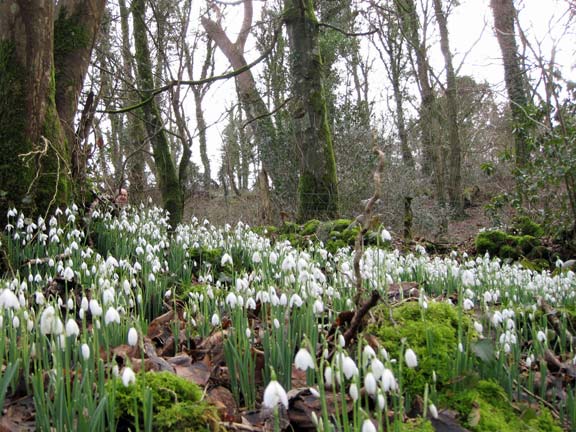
[(33, 154), (431, 145), (256, 110), (166, 171), (317, 188), (504, 14), (75, 30), (455, 158)]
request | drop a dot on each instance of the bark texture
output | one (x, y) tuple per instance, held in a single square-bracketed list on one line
[(317, 188), (504, 14), (166, 171), (33, 154)]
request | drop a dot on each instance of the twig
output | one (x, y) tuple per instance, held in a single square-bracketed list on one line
[(359, 315)]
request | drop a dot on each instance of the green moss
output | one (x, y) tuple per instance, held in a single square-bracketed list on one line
[(433, 339), (318, 196), (341, 224), (289, 228), (523, 225), (177, 403), (527, 243), (507, 251), (417, 425), (490, 241), (349, 235), (69, 35), (310, 227), (487, 408)]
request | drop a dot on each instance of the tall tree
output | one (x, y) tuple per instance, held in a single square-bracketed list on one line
[(35, 159), (455, 150), (504, 15), (166, 171), (317, 188)]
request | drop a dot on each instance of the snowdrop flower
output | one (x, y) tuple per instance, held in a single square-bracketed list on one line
[(111, 316), (303, 360), (318, 307), (368, 426), (132, 336), (275, 394), (16, 322), (85, 351), (72, 328), (273, 257), (388, 381), (541, 336), (215, 320), (386, 237), (478, 327), (95, 308), (341, 340), (353, 391), (8, 300), (468, 304), (231, 300), (288, 264), (411, 359), (377, 368), (226, 259), (256, 257), (370, 383), (295, 300), (251, 304), (328, 376), (349, 367), (68, 274), (50, 323), (128, 377), (276, 323), (433, 410), (248, 333), (70, 303)]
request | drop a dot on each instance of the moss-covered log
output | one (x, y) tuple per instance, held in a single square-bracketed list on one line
[(317, 188)]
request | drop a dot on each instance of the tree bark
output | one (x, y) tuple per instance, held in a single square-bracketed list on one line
[(317, 188), (455, 156), (504, 14), (75, 30), (166, 171), (33, 154)]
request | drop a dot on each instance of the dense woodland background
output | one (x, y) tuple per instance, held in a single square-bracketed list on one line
[(96, 95)]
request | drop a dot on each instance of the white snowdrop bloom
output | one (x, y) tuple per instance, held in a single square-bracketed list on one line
[(50, 323), (288, 264), (151, 277), (541, 336), (8, 300), (16, 322), (510, 324), (368, 352), (381, 400), (384, 354), (467, 304), (85, 350), (385, 234), (72, 328), (70, 303), (108, 296), (84, 305), (433, 410), (377, 368), (256, 257), (273, 257), (250, 303), (318, 307), (349, 367), (507, 348), (370, 383), (275, 394), (497, 318), (295, 300), (81, 314), (112, 316), (29, 325), (478, 327), (341, 340), (276, 323), (460, 347), (487, 297), (226, 259), (468, 278), (248, 333), (353, 392), (215, 320), (231, 300), (388, 381), (283, 299), (368, 426), (411, 359), (528, 362), (303, 360), (132, 336), (329, 376), (128, 377), (95, 308)]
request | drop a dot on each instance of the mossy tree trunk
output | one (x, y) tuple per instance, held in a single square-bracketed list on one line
[(34, 161), (167, 177), (317, 188), (504, 14), (75, 29)]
